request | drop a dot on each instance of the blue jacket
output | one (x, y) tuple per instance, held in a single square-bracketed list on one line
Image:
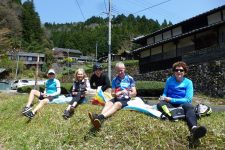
[(180, 92)]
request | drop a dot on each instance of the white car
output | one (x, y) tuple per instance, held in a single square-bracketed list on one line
[(25, 82), (19, 83)]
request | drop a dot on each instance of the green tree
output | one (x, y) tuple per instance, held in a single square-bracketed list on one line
[(32, 31)]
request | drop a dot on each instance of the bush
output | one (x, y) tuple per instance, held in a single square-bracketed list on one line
[(27, 89), (149, 88), (65, 88), (144, 88)]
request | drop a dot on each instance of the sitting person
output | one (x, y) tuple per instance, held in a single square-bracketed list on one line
[(80, 86), (52, 90), (99, 78), (178, 91), (123, 88)]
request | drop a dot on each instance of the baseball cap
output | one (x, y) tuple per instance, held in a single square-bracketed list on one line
[(97, 66), (51, 71)]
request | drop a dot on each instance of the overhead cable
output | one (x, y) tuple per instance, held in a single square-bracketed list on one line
[(151, 6), (80, 10)]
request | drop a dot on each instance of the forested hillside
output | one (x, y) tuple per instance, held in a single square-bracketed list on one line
[(85, 35), (20, 28), (10, 23)]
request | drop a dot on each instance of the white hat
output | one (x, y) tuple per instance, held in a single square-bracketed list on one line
[(51, 71)]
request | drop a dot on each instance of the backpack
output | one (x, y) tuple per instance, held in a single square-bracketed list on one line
[(177, 113), (201, 110)]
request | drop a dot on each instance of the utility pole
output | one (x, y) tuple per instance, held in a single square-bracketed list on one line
[(37, 71), (17, 62), (109, 43), (68, 55), (96, 51)]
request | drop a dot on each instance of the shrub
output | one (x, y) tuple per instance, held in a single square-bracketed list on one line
[(27, 89), (149, 88), (65, 88), (144, 88)]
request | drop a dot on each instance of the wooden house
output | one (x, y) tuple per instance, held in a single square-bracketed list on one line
[(195, 40)]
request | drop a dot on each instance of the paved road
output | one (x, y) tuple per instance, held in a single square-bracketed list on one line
[(218, 108)]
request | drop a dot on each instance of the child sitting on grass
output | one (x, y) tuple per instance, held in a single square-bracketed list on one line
[(79, 90)]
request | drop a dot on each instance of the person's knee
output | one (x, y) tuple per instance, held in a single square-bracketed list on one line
[(32, 91), (117, 105), (187, 106)]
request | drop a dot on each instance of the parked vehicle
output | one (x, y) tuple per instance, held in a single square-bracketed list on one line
[(25, 82)]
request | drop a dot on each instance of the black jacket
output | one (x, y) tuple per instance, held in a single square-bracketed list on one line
[(103, 81)]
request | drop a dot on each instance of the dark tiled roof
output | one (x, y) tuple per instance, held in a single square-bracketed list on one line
[(178, 24), (180, 36), (67, 50)]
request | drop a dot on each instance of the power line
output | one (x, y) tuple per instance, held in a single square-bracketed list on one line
[(152, 6), (105, 6), (80, 10), (118, 10)]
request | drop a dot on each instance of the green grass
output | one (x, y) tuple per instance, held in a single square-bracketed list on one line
[(124, 130)]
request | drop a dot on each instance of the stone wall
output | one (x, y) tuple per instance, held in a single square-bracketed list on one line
[(208, 78)]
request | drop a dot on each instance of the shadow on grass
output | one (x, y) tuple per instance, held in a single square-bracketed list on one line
[(193, 143), (91, 133)]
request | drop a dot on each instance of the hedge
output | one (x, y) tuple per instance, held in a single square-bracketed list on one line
[(144, 88)]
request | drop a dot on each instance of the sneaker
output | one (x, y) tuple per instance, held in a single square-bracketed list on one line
[(97, 124), (26, 109), (71, 111), (29, 114), (198, 132), (92, 117), (66, 114)]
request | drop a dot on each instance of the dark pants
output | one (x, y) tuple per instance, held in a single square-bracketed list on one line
[(77, 99), (191, 118), (123, 101)]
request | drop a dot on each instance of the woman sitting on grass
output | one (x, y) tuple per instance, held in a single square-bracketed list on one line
[(79, 90), (52, 90), (179, 92)]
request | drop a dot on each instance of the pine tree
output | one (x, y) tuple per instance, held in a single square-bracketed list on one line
[(32, 31)]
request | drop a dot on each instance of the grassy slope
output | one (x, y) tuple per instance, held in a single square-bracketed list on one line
[(125, 130)]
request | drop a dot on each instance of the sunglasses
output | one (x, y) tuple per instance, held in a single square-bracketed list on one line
[(178, 70), (51, 74)]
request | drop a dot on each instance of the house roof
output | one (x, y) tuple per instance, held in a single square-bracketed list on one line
[(141, 38), (28, 54), (180, 36), (86, 58), (67, 50)]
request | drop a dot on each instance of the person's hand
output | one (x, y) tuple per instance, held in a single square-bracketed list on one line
[(45, 95), (167, 99), (74, 93), (164, 98), (118, 93), (125, 92), (50, 97)]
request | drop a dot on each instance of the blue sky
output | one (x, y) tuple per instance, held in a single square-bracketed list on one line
[(67, 11)]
